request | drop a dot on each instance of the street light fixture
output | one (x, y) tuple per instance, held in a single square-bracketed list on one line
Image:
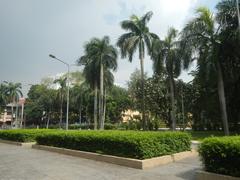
[(52, 56)]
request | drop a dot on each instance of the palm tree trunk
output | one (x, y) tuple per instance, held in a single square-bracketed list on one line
[(80, 113), (104, 106), (172, 113), (12, 115), (222, 100), (61, 112), (48, 119), (13, 100), (144, 125), (95, 105), (101, 98)]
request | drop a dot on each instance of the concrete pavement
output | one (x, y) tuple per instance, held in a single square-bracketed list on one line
[(18, 163)]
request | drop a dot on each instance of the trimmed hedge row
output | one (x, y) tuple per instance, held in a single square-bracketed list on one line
[(139, 145), (21, 135), (221, 155)]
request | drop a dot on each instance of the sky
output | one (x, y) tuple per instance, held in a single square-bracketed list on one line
[(30, 30)]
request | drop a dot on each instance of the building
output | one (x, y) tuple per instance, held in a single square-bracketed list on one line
[(6, 117)]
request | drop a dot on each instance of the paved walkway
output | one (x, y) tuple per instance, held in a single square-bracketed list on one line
[(18, 163)]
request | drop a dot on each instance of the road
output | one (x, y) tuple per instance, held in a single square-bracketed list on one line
[(18, 163)]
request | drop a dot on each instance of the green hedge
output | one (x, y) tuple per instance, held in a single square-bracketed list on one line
[(139, 145), (221, 155), (21, 135), (107, 126)]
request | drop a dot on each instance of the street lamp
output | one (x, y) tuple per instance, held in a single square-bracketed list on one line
[(52, 56)]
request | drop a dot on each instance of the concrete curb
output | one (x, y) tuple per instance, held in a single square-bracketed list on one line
[(204, 175), (133, 163), (23, 144)]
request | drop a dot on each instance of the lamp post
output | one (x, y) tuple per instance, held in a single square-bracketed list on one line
[(52, 56)]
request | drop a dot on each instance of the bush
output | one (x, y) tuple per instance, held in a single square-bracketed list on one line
[(107, 126), (21, 135), (221, 155), (139, 145)]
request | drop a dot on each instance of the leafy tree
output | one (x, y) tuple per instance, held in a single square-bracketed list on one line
[(117, 101), (137, 38), (201, 37), (3, 95)]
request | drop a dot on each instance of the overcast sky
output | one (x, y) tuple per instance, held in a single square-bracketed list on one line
[(32, 29)]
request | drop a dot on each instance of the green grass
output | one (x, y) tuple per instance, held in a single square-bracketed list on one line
[(201, 135)]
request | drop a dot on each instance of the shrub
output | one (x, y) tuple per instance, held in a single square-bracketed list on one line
[(139, 145), (21, 135), (107, 126), (221, 155)]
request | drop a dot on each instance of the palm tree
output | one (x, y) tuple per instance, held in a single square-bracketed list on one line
[(91, 74), (138, 37), (99, 57), (200, 38), (62, 82), (13, 91), (165, 54)]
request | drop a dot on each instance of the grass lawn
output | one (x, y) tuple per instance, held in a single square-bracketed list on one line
[(200, 135)]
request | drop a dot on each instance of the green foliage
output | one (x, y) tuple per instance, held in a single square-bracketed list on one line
[(221, 155), (139, 145), (117, 101), (107, 126), (21, 135)]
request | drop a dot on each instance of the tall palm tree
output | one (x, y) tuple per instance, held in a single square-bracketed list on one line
[(13, 91), (165, 54), (201, 38), (99, 57), (91, 74), (137, 38), (62, 82)]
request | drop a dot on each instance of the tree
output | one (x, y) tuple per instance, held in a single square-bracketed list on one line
[(201, 37), (138, 37), (62, 82), (3, 96), (117, 101), (99, 57), (13, 91), (167, 53)]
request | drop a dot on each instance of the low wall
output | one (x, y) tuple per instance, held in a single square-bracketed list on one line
[(133, 163)]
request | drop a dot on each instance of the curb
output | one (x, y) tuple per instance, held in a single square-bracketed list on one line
[(204, 175), (122, 161), (23, 144)]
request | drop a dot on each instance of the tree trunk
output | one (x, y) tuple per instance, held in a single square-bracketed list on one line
[(80, 114), (61, 111), (222, 100), (172, 113), (144, 124), (101, 98), (48, 119), (104, 106), (12, 115), (95, 105), (13, 100)]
